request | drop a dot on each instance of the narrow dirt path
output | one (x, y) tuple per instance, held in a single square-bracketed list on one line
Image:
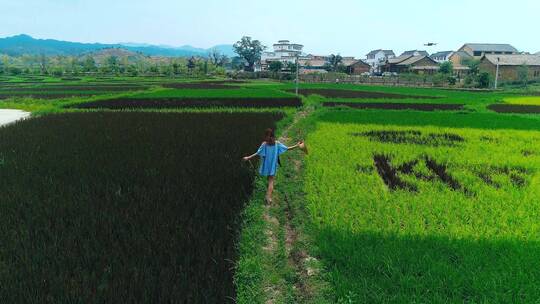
[(297, 258), (283, 237)]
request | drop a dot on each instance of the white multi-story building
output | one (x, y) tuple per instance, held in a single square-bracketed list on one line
[(377, 58), (284, 51)]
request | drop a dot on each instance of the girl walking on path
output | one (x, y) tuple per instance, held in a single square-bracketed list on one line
[(269, 151)]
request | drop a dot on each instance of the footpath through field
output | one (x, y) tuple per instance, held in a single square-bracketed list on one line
[(296, 274), (9, 116)]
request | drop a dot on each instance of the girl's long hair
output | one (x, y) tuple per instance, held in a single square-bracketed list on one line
[(269, 137)]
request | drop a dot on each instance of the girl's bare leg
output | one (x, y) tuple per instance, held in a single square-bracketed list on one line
[(270, 189)]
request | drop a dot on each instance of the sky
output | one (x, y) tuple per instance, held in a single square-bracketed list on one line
[(347, 27)]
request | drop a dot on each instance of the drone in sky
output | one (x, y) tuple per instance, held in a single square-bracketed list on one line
[(430, 44)]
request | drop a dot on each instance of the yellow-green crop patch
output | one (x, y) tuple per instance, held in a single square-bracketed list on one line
[(426, 214), (526, 100)]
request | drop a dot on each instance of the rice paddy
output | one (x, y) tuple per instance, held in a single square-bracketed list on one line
[(132, 190)]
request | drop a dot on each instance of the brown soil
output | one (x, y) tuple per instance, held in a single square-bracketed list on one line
[(397, 106), (441, 170), (517, 175), (389, 174), (413, 137), (357, 94), (111, 88), (510, 108), (156, 103), (42, 96)]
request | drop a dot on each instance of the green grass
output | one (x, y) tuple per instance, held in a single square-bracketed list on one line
[(473, 101), (485, 121), (436, 245)]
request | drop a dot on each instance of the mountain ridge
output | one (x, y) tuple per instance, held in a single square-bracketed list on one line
[(27, 45)]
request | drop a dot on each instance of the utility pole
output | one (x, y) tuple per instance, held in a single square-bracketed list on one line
[(297, 75), (497, 73)]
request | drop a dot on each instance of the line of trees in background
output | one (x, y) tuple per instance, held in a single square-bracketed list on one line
[(129, 65)]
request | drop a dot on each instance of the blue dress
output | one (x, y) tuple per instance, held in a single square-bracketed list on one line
[(269, 157)]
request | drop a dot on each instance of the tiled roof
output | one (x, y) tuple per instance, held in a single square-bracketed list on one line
[(386, 52), (423, 53), (314, 63), (514, 60), (462, 54), (441, 54), (398, 59), (412, 60), (491, 47), (356, 62)]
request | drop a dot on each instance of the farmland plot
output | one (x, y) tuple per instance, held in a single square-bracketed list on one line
[(123, 207), (426, 214)]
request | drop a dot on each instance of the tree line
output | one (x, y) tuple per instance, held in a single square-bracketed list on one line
[(129, 65)]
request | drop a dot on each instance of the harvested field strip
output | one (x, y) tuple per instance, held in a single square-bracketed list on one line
[(413, 137), (124, 207), (48, 96), (72, 88), (397, 106), (51, 95), (164, 103), (207, 86), (514, 108), (241, 93), (329, 93)]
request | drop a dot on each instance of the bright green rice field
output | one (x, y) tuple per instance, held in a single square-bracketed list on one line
[(476, 244)]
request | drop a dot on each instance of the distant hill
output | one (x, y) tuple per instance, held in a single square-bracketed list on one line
[(121, 54), (24, 44)]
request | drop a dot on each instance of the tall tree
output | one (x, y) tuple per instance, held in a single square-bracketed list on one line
[(112, 63), (191, 64), (217, 58), (43, 63), (275, 66), (89, 64), (334, 61), (250, 50), (474, 66), (446, 68)]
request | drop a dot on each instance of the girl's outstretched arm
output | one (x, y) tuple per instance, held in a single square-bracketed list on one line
[(295, 146), (246, 158)]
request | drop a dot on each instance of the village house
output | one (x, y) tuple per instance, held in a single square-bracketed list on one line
[(313, 64), (347, 61), (358, 67), (441, 57), (411, 64), (415, 53), (478, 50), (284, 51), (377, 58), (310, 64), (510, 65), (459, 61)]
